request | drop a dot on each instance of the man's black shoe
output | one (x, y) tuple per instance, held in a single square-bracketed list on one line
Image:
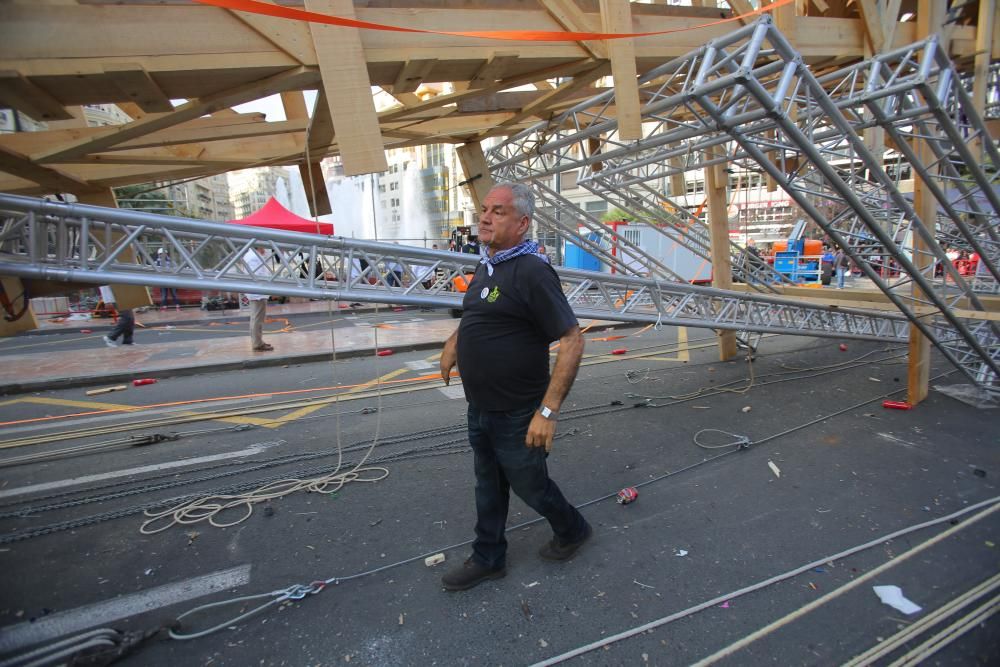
[(470, 574), (556, 550)]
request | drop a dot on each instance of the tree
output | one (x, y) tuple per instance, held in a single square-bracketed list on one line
[(140, 197), (617, 214)]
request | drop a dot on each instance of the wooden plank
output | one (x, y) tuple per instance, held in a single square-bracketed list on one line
[(14, 290), (492, 70), (19, 93), (291, 37), (616, 16), (984, 46), (136, 84), (536, 108), (107, 390), (294, 78), (568, 15), (412, 74), (348, 90), (18, 164), (930, 19), (314, 183), (477, 172), (871, 18), (741, 7), (716, 182)]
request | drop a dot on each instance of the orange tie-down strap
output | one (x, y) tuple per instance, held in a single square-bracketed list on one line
[(256, 7)]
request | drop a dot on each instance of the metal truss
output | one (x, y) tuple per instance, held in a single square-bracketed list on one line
[(748, 98), (49, 240)]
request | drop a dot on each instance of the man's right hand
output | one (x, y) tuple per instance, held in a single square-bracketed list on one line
[(449, 357)]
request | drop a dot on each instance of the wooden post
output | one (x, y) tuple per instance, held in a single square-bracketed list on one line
[(477, 172), (930, 18), (716, 182)]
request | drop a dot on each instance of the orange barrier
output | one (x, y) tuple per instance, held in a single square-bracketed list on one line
[(279, 11)]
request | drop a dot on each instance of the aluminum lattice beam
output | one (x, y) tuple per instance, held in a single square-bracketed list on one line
[(749, 97), (74, 242)]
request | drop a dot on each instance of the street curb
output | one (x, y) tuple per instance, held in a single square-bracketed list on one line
[(164, 373), (106, 324)]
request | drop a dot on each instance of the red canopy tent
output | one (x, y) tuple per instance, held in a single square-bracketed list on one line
[(275, 216)]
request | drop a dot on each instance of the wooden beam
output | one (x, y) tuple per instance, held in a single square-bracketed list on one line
[(930, 20), (890, 22), (492, 70), (411, 75), (716, 183), (616, 16), (538, 106), (871, 18), (14, 290), (566, 69), (321, 131), (291, 37), (18, 164), (348, 90), (919, 358), (17, 92), (135, 83), (984, 47), (567, 14), (477, 172), (313, 181), (290, 79), (741, 7)]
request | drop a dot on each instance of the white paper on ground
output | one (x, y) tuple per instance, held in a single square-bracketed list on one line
[(893, 596)]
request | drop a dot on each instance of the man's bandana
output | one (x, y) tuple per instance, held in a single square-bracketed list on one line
[(526, 247)]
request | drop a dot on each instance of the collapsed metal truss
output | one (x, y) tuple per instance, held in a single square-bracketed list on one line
[(49, 240), (749, 99)]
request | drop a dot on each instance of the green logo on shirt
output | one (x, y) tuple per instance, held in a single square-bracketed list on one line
[(494, 295)]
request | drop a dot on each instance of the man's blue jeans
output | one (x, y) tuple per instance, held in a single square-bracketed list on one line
[(503, 462)]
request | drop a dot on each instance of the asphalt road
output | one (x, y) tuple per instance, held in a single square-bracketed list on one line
[(71, 547)]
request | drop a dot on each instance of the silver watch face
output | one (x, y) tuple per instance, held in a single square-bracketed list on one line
[(546, 412)]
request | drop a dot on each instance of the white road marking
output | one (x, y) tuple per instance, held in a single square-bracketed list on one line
[(46, 486), (453, 391), (419, 365), (63, 623)]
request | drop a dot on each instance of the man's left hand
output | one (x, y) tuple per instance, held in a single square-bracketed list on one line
[(540, 432)]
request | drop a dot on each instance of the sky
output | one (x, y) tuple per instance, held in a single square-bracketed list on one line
[(271, 106)]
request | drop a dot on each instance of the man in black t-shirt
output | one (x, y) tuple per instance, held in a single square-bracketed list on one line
[(514, 308)]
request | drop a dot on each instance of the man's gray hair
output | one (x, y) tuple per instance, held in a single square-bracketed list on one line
[(524, 198)]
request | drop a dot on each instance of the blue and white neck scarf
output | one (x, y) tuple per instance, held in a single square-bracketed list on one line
[(526, 247)]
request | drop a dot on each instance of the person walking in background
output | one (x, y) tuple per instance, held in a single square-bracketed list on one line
[(513, 309), (125, 326), (841, 262), (166, 265), (257, 302)]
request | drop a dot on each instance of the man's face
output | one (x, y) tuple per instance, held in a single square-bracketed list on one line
[(501, 227)]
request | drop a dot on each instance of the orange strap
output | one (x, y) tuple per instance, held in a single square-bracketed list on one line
[(256, 7)]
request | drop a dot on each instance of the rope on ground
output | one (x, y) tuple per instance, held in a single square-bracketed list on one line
[(209, 507), (995, 502)]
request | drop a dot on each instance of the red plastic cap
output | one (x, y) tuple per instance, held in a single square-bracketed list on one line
[(142, 381), (384, 353), (843, 348), (620, 350)]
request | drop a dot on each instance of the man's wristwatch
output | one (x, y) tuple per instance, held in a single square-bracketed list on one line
[(548, 413)]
